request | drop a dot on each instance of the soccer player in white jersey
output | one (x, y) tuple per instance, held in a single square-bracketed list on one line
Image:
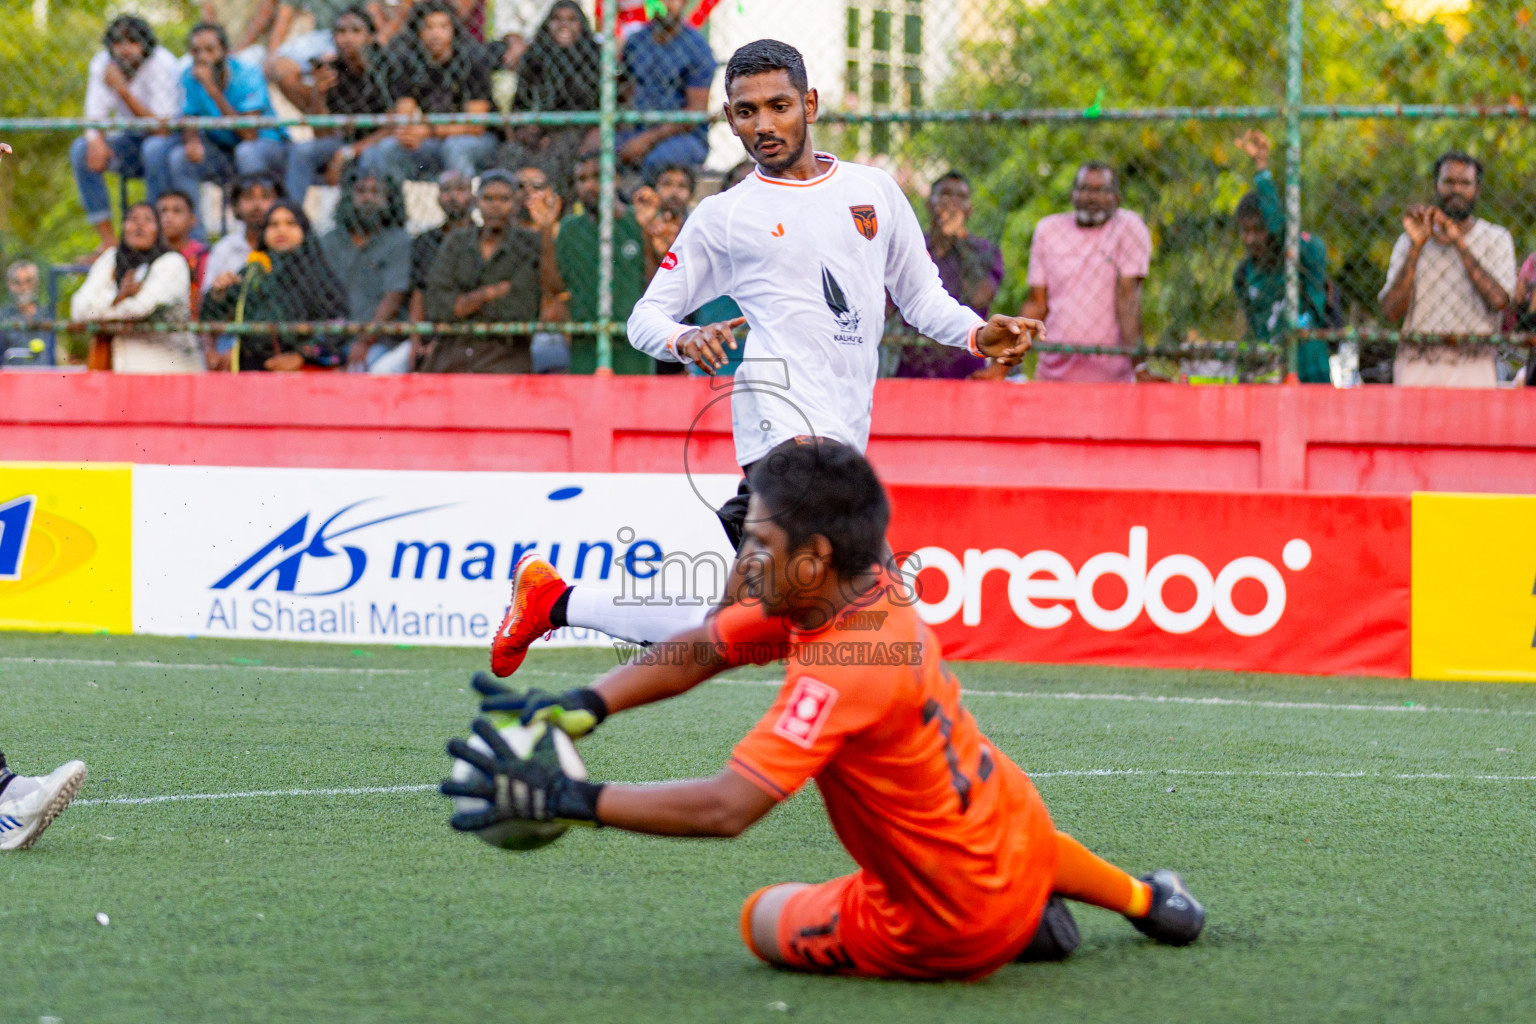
[(807, 246)]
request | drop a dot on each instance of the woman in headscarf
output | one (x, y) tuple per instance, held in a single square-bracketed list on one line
[(141, 278), (559, 72), (287, 280)]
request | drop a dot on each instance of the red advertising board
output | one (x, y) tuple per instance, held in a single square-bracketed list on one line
[(1265, 582)]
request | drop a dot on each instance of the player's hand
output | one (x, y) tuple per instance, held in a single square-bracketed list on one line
[(577, 712), (706, 345), (1256, 144), (1417, 221), (536, 789), (1007, 338)]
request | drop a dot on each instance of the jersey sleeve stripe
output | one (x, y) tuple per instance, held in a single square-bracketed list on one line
[(757, 778)]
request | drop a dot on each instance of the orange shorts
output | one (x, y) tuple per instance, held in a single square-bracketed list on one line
[(829, 929)]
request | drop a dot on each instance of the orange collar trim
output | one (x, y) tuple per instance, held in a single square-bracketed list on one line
[(801, 184)]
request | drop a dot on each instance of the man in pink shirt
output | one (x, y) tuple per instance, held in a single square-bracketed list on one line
[(1085, 273)]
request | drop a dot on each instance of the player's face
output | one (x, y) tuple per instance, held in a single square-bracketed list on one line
[(283, 232), (672, 188), (175, 218), (1094, 197), (436, 34), (498, 202), (139, 228), (352, 35), (254, 204), (205, 49), (1456, 189), (589, 183), (1256, 239), (770, 117), (788, 581)]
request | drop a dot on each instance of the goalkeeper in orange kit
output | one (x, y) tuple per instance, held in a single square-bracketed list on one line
[(960, 868)]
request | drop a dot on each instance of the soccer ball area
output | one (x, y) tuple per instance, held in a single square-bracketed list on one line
[(262, 830)]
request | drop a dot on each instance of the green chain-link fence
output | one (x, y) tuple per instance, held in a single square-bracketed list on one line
[(1356, 98)]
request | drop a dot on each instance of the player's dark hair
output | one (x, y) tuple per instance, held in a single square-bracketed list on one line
[(1249, 207), (693, 181), (1098, 165), (815, 485), (356, 11), (176, 193), (130, 28), (243, 184), (1456, 156), (210, 26), (764, 56)]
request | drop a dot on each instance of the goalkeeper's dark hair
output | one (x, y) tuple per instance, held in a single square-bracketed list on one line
[(765, 56), (130, 28), (814, 485)]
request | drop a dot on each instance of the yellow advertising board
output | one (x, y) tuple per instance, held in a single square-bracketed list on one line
[(65, 547), (1474, 587)]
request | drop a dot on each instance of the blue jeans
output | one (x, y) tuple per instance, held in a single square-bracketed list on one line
[(466, 154), (255, 156), (128, 151), (307, 160), (678, 151)]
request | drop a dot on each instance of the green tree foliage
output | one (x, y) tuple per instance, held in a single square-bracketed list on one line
[(1185, 178), (44, 76)]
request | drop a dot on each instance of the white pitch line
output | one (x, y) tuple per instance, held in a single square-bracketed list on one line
[(1133, 698), (170, 798)]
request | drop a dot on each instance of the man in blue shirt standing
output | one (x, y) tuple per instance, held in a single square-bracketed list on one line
[(668, 66), (217, 85)]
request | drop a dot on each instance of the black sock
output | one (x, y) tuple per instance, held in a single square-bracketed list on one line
[(557, 610), (6, 775)]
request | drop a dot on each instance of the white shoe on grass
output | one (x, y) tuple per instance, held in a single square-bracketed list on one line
[(30, 803)]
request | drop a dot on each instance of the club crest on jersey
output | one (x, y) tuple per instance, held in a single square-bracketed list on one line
[(669, 261), (864, 219), (843, 312), (806, 711)]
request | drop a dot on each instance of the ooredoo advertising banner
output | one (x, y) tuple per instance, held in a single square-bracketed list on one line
[(64, 547), (363, 556), (1245, 581)]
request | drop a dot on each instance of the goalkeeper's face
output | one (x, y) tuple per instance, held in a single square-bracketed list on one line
[(787, 579)]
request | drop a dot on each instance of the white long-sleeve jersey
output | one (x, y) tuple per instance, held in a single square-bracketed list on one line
[(809, 263)]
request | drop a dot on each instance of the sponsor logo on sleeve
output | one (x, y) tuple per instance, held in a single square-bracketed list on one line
[(669, 261), (809, 706)]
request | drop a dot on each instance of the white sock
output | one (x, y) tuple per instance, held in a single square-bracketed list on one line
[(592, 608)]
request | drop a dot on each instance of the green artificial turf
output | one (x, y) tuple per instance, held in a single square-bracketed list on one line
[(1336, 889)]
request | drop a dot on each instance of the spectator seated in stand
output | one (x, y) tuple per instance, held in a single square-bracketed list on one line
[(349, 79), (218, 85), (17, 344), (540, 211), (576, 253), (370, 253), (1259, 281), (970, 267), (674, 185), (251, 196), (559, 72), (1451, 273), (667, 66), (286, 280), (487, 274), (456, 198), (294, 57), (141, 278), (1086, 269), (177, 220), (131, 76), (436, 67)]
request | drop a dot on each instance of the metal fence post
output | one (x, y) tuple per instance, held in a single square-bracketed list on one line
[(1293, 185), (607, 193)]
